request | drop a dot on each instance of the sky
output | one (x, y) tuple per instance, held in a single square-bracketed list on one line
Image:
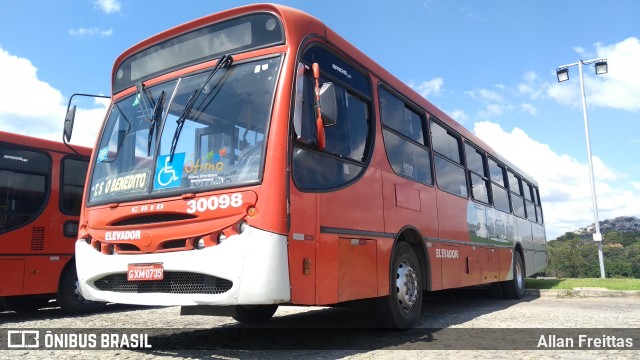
[(489, 64)]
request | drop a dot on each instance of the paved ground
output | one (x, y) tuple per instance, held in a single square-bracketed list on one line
[(461, 322)]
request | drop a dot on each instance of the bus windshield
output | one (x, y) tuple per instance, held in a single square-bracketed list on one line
[(221, 143)]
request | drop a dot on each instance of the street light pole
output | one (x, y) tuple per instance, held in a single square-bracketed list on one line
[(563, 70), (597, 236)]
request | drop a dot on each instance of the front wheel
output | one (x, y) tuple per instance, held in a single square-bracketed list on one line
[(251, 314), (401, 309), (514, 288), (69, 297)]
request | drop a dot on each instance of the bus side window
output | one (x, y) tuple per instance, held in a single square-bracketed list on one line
[(450, 174), (347, 142), (517, 200), (74, 173), (23, 186), (404, 139), (536, 199), (477, 174), (500, 195)]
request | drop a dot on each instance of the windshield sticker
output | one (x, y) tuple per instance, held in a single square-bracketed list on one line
[(168, 173), (102, 154), (125, 182), (258, 68), (206, 171), (213, 162), (136, 102)]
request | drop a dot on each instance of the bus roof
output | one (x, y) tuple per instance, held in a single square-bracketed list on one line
[(291, 19), (43, 144)]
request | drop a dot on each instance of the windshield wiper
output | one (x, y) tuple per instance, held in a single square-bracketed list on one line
[(225, 60), (157, 112)]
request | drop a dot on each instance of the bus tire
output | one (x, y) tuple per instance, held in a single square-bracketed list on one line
[(69, 297), (251, 314), (401, 308), (24, 303), (514, 288)]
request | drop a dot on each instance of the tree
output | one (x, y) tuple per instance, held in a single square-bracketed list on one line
[(573, 255)]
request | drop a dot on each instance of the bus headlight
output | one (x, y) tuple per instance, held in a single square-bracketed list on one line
[(242, 227), (199, 243)]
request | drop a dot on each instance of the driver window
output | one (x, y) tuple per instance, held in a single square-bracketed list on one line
[(348, 137), (347, 142)]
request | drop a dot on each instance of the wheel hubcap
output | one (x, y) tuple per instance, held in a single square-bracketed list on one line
[(519, 277), (406, 286)]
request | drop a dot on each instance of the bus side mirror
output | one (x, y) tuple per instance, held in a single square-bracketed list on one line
[(325, 105), (68, 123), (328, 104), (71, 115)]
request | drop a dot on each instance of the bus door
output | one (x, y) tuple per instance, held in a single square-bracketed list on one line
[(304, 231), (335, 200)]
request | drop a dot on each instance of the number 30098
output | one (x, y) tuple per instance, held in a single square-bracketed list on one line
[(214, 202)]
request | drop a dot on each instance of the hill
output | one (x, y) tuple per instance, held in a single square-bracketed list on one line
[(620, 224), (574, 254)]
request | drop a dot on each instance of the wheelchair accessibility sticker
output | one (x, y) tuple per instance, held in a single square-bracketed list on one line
[(168, 173)]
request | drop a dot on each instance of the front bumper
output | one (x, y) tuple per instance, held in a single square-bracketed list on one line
[(249, 268)]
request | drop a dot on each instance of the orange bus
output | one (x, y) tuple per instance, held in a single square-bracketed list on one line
[(41, 187), (254, 157)]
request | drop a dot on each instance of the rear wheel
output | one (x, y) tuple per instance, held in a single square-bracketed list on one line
[(514, 288), (251, 314), (401, 309), (69, 297)]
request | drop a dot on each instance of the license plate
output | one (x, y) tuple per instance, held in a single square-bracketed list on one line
[(145, 272)]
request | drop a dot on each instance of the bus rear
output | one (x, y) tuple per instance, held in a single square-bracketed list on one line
[(41, 186)]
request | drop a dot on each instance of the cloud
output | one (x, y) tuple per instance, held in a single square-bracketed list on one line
[(108, 6), (428, 87), (21, 88), (579, 50), (19, 112), (531, 87), (564, 183), (618, 89), (489, 95), (529, 108), (88, 32), (494, 101), (459, 115), (485, 95), (493, 110)]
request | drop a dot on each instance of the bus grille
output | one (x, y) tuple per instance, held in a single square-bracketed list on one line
[(174, 282)]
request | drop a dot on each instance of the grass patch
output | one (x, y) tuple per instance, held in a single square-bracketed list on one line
[(569, 284)]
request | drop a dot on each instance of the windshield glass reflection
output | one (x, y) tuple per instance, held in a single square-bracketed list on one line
[(221, 143)]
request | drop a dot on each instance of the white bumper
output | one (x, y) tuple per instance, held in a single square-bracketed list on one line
[(255, 261)]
